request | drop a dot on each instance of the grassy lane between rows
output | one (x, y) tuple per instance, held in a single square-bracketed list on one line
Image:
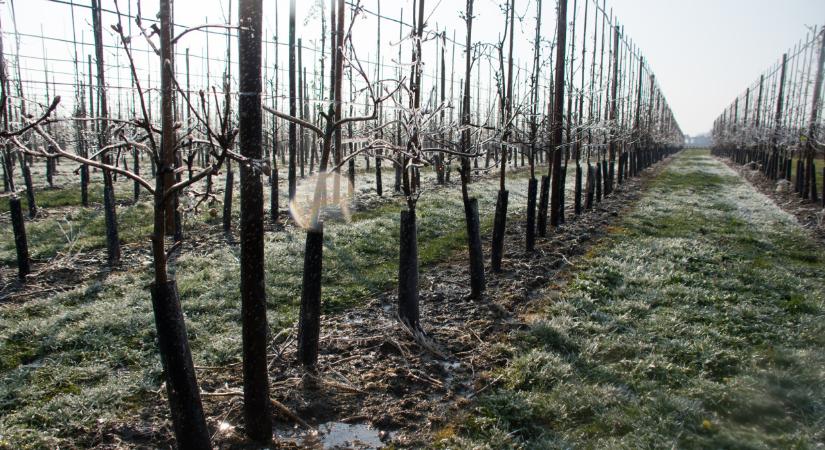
[(74, 359), (697, 323)]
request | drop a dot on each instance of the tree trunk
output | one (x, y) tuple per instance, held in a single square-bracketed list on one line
[(408, 310), (309, 318), (477, 282), (227, 198), (274, 208), (499, 224), (27, 180), (577, 194), (609, 165), (309, 322), (563, 192), (50, 169), (6, 173), (588, 197), (544, 198), (112, 239), (20, 241), (530, 237), (379, 186), (181, 384), (136, 171)]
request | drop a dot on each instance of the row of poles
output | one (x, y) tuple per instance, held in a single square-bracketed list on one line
[(775, 124), (604, 113), (310, 91)]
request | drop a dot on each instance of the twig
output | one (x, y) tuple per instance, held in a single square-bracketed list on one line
[(476, 393), (287, 412)]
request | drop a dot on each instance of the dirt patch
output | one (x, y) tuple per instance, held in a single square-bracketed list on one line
[(63, 273)]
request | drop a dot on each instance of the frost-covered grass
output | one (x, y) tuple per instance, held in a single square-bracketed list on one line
[(698, 323), (87, 355), (68, 195), (63, 226), (76, 231)]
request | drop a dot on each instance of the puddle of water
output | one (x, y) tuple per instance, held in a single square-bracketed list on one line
[(450, 366), (339, 435)]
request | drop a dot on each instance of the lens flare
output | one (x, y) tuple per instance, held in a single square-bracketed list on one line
[(300, 208)]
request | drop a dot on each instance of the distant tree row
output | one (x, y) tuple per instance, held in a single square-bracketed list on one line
[(603, 113), (775, 125)]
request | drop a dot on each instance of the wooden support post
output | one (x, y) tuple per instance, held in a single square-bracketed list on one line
[(112, 239), (20, 242), (293, 107), (613, 109), (813, 128), (774, 164), (558, 114), (253, 293)]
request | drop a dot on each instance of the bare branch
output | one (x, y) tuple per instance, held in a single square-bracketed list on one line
[(8, 134)]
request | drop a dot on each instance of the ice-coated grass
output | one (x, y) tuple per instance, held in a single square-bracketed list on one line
[(63, 227), (77, 231), (87, 355), (698, 323)]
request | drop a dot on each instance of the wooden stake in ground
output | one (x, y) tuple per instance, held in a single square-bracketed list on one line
[(20, 241), (112, 238), (253, 294), (17, 221), (229, 183), (532, 186), (477, 283), (556, 132), (500, 219), (577, 185), (5, 107), (813, 124), (379, 184), (274, 206), (614, 107), (774, 164), (408, 300), (293, 108)]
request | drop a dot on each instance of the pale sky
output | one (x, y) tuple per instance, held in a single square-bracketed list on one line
[(704, 52)]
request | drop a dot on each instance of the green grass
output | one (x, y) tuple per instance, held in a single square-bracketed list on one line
[(697, 325), (82, 229), (69, 196), (87, 355)]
